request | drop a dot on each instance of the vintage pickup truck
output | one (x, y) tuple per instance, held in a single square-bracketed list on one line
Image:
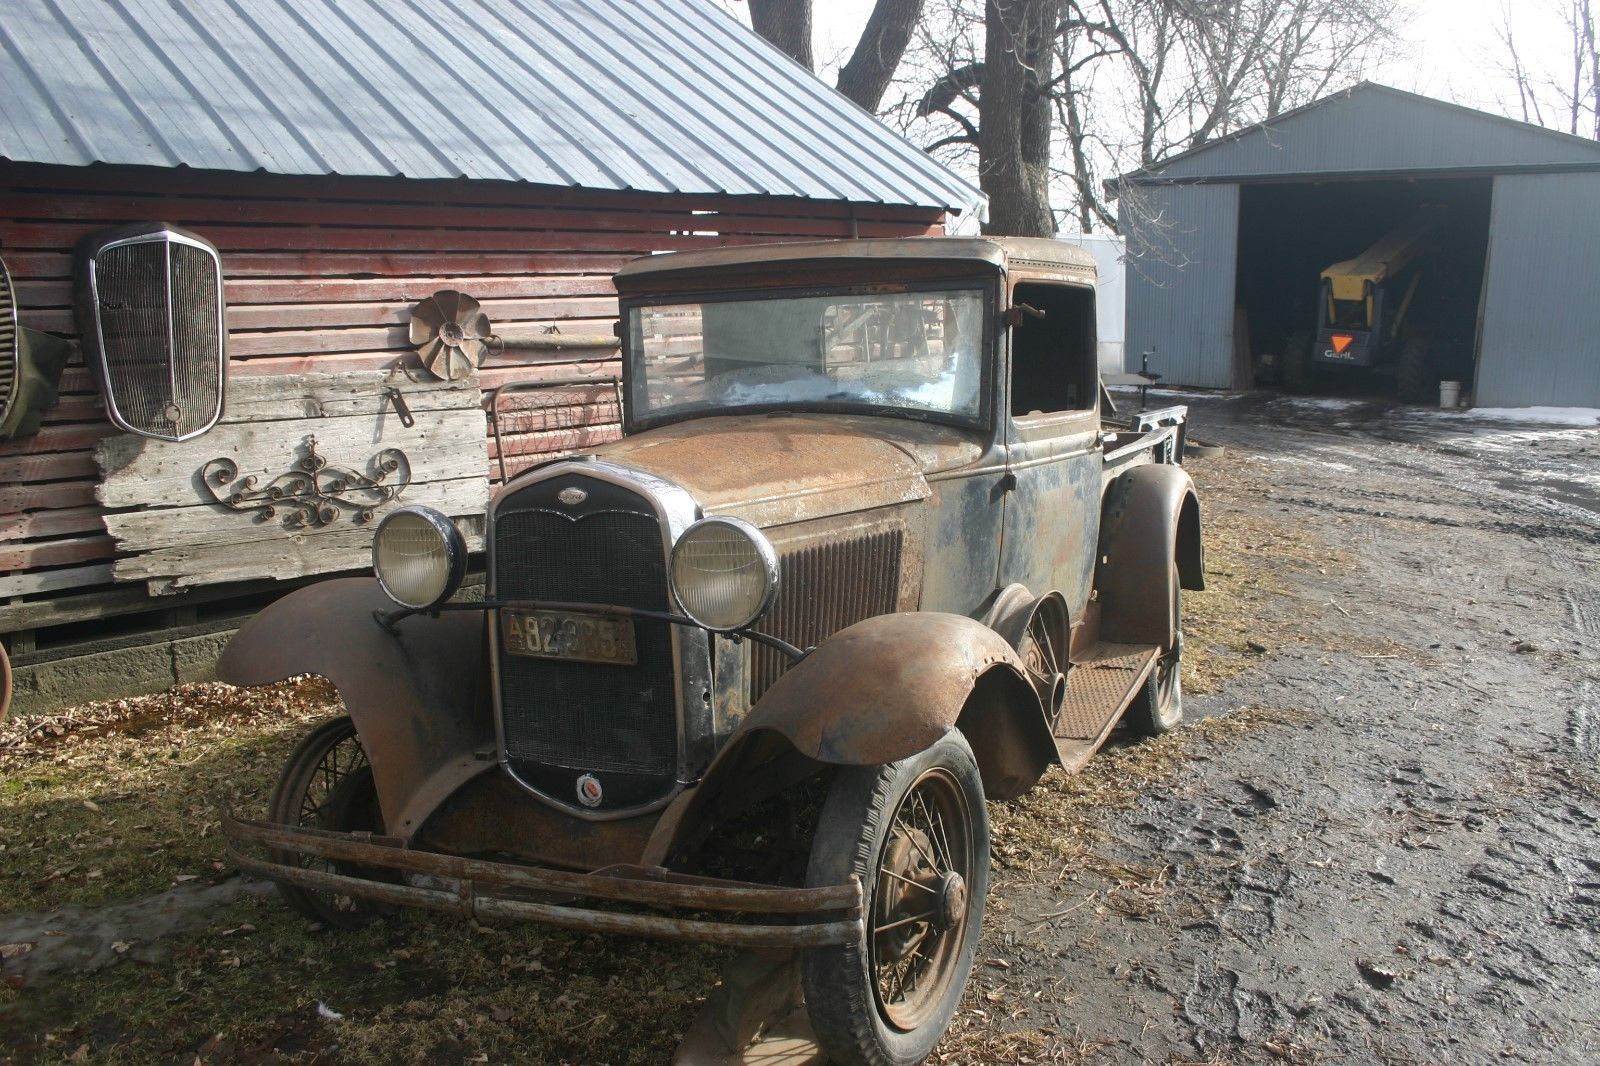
[(867, 555)]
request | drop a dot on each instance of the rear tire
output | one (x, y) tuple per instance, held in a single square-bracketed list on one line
[(1298, 375), (1158, 708), (1416, 381), (916, 833)]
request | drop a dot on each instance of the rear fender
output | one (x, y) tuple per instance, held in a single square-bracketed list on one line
[(418, 697), (1150, 520)]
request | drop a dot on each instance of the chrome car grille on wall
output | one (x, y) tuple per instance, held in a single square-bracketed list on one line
[(10, 345), (151, 320)]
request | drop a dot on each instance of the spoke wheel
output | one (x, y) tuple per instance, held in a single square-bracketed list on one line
[(327, 784), (1042, 653), (917, 835), (1158, 708)]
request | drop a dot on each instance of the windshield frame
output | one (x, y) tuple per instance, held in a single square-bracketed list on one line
[(987, 285)]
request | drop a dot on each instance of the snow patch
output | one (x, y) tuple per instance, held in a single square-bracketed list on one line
[(1547, 416), (1324, 403)]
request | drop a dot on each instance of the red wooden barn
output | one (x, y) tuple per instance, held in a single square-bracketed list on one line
[(347, 160)]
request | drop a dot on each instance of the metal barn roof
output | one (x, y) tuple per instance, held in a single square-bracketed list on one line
[(650, 95), (1373, 129)]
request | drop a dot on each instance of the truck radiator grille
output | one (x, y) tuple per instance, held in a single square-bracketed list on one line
[(575, 715), (822, 589), (160, 340), (10, 363)]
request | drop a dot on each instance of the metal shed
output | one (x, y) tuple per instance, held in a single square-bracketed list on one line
[(1217, 237)]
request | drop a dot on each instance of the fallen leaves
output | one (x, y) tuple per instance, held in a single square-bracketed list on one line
[(117, 799)]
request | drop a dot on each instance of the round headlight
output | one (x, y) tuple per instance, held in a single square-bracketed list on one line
[(419, 556), (724, 573)]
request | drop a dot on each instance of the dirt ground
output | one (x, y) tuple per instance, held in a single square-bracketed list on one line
[(1399, 863), (1374, 840)]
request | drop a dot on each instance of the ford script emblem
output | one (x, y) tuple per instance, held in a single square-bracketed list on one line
[(572, 497), (589, 791)]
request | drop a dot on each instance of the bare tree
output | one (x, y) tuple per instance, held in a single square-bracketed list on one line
[(1565, 97), (1517, 70), (787, 24), (1585, 95), (865, 78), (1132, 82), (1014, 115)]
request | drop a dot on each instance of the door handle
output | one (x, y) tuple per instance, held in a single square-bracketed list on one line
[(1008, 482)]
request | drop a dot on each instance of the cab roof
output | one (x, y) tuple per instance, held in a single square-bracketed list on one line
[(990, 253)]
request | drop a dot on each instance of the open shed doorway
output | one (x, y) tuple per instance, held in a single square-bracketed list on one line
[(1289, 233)]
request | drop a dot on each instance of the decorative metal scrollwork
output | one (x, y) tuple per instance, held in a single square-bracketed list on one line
[(312, 495)]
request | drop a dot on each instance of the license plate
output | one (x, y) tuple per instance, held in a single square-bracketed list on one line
[(586, 638)]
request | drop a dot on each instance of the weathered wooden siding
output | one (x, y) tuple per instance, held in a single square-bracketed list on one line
[(320, 276)]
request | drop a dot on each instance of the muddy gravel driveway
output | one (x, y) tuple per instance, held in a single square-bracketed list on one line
[(1397, 859)]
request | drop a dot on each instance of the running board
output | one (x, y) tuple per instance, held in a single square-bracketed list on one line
[(1099, 688)]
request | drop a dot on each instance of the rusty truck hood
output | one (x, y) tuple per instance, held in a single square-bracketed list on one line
[(775, 469)]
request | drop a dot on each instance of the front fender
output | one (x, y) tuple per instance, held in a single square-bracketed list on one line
[(418, 697), (885, 688), (876, 692)]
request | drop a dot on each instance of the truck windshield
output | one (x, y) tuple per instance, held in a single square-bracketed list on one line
[(913, 353)]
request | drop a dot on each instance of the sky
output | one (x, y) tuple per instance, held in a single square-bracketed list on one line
[(1449, 48)]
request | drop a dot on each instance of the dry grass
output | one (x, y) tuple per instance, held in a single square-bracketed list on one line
[(117, 800), (1249, 557)]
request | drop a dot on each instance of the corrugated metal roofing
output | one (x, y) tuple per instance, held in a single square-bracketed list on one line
[(651, 95), (1373, 128)]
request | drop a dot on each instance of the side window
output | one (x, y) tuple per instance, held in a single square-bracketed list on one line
[(1053, 358)]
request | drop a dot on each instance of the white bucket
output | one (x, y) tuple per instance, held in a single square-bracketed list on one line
[(1449, 394)]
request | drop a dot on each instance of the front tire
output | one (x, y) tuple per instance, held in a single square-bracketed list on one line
[(1416, 380), (916, 832), (1298, 371), (327, 784)]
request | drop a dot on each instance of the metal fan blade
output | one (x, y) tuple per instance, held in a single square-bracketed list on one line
[(429, 352), (474, 349), (449, 301), (456, 364), (475, 325), (426, 318)]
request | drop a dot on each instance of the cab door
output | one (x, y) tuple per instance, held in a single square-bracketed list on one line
[(1051, 518)]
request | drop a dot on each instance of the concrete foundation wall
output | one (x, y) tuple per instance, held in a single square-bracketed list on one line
[(45, 684)]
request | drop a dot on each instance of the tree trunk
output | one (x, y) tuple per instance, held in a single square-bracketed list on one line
[(878, 52), (787, 24), (1014, 115)]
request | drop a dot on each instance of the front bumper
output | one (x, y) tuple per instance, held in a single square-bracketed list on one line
[(481, 889)]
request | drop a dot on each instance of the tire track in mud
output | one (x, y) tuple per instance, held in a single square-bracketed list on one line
[(1580, 591), (1583, 724), (1540, 531)]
